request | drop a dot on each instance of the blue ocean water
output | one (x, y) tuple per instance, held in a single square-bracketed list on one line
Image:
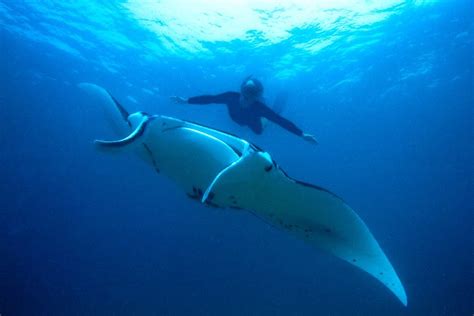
[(385, 86)]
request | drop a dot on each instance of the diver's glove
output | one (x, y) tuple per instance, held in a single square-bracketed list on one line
[(178, 100), (309, 138)]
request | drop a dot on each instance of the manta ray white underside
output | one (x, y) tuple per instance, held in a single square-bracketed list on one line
[(222, 170)]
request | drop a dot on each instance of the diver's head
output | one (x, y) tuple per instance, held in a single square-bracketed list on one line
[(251, 89)]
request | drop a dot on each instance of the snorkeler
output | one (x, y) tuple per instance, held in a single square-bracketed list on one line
[(247, 108)]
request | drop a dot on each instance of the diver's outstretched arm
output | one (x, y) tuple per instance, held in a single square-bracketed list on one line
[(287, 124), (222, 98)]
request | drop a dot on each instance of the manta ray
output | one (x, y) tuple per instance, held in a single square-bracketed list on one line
[(221, 170)]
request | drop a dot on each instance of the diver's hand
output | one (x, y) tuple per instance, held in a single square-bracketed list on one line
[(310, 138), (178, 100)]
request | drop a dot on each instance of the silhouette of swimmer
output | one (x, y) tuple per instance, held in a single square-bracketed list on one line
[(247, 108)]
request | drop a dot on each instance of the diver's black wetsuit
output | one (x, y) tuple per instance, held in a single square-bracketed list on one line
[(249, 116)]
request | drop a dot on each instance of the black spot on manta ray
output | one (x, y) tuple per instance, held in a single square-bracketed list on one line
[(193, 197), (289, 226), (269, 168), (206, 203), (197, 192), (209, 203)]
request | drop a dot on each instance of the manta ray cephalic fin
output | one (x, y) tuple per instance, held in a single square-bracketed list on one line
[(133, 136)]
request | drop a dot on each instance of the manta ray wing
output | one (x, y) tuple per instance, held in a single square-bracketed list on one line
[(309, 212)]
